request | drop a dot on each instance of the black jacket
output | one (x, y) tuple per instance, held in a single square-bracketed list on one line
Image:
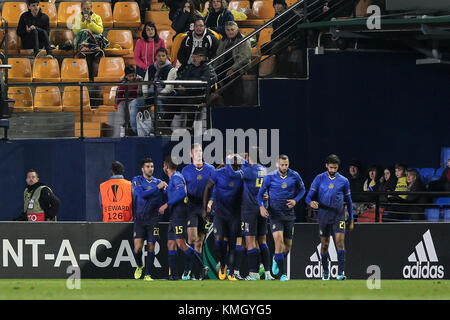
[(48, 201), (216, 20), (181, 21), (209, 42), (27, 19), (191, 72)]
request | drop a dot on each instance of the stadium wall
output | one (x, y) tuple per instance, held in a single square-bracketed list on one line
[(104, 250), (376, 107), (73, 168)]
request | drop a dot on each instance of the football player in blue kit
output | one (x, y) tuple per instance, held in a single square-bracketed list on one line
[(328, 192), (177, 209), (285, 188), (254, 225), (147, 198), (196, 175)]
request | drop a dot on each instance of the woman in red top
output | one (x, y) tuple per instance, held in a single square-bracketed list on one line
[(145, 49)]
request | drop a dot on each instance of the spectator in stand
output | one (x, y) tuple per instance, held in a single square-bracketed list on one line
[(414, 184), (200, 37), (387, 182), (162, 69), (198, 70), (218, 15), (443, 184), (372, 182), (400, 173), (89, 41), (233, 64), (133, 91), (146, 47), (183, 20), (33, 29), (173, 5), (356, 180)]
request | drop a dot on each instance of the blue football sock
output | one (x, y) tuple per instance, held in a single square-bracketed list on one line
[(252, 256), (341, 261), (172, 262), (138, 257), (324, 259), (237, 257), (149, 259)]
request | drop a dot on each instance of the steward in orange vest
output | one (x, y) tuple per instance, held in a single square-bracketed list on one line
[(116, 196)]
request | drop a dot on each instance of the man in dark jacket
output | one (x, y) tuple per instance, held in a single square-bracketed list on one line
[(33, 28), (200, 37), (198, 70), (218, 15), (40, 203)]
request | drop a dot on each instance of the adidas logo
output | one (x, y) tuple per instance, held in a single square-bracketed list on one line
[(315, 270), (423, 261)]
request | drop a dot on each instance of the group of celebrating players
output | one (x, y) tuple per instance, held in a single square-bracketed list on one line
[(237, 199)]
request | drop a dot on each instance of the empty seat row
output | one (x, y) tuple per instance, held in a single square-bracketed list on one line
[(126, 14), (72, 70), (260, 12), (48, 99)]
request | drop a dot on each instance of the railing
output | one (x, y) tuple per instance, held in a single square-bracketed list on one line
[(380, 206), (188, 104)]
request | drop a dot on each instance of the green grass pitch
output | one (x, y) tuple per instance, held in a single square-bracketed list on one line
[(102, 289)]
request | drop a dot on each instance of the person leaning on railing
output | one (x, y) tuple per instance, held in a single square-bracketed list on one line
[(122, 95), (414, 184), (232, 64)]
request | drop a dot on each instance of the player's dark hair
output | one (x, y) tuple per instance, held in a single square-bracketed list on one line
[(117, 168), (32, 170), (146, 160), (283, 157), (195, 145), (401, 165), (333, 159), (170, 163)]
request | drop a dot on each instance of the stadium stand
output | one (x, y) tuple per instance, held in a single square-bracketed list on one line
[(46, 70), (20, 71), (262, 12), (110, 69), (14, 42), (49, 8), (71, 99), (120, 43), (23, 99), (67, 12), (103, 9), (11, 12), (47, 99), (126, 14), (74, 70), (60, 38)]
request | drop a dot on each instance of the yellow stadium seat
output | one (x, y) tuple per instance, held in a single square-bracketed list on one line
[(71, 99), (120, 43), (109, 99), (262, 12), (291, 2), (237, 5), (176, 46), (14, 42), (126, 14), (67, 12), (23, 99), (59, 38), (46, 70), (159, 18), (49, 8), (110, 69), (103, 9), (20, 71), (11, 12), (74, 70), (264, 37), (167, 35), (47, 99)]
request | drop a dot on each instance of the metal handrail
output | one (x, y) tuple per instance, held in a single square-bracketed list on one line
[(251, 34)]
